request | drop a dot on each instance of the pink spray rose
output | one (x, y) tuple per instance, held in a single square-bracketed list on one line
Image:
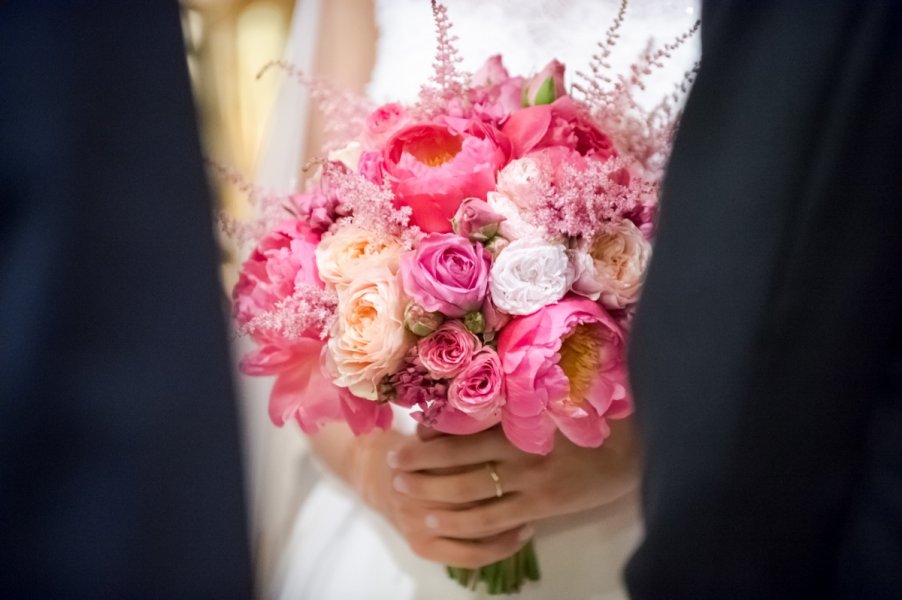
[(448, 350), (433, 166), (383, 123), (557, 124), (564, 370), (476, 220), (370, 166), (546, 86), (478, 390), (447, 274)]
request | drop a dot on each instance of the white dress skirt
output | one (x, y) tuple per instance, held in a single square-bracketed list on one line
[(338, 549)]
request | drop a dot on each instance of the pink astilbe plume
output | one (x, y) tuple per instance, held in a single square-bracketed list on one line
[(448, 85), (344, 111), (270, 208), (367, 204), (309, 310), (584, 201), (644, 134)]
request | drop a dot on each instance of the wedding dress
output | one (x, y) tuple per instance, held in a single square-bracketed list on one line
[(338, 549)]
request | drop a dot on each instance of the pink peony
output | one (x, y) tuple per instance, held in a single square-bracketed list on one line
[(475, 220), (478, 390), (282, 262), (383, 123), (448, 350), (447, 274), (495, 94), (564, 370), (560, 123), (545, 86), (433, 166)]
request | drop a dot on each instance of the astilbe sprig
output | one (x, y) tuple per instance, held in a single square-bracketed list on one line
[(309, 311), (585, 202), (448, 85), (344, 111)]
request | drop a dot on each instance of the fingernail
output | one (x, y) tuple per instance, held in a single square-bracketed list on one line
[(431, 521), (526, 532), (399, 484), (392, 459)]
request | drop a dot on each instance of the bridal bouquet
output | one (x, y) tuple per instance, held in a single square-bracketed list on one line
[(473, 257)]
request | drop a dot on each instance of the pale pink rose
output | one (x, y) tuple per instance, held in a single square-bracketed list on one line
[(611, 268), (560, 123), (348, 155), (494, 94), (478, 390), (447, 274), (448, 350), (369, 340), (546, 86), (433, 166), (476, 221), (564, 369), (383, 123), (529, 274), (281, 262), (515, 226), (341, 256), (421, 322)]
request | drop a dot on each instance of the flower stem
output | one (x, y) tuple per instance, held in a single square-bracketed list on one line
[(503, 577)]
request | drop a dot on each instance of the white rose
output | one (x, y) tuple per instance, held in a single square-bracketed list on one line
[(348, 250), (612, 266), (520, 181), (530, 274), (369, 339), (514, 226)]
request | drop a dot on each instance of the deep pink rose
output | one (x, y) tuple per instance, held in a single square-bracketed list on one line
[(546, 86), (383, 123), (447, 274), (433, 166), (557, 124), (282, 261), (448, 350), (564, 370), (478, 390), (476, 221)]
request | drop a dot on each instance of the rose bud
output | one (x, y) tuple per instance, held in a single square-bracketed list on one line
[(475, 322), (476, 220), (546, 86), (420, 321)]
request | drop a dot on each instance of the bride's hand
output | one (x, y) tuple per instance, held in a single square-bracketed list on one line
[(451, 473), (370, 474)]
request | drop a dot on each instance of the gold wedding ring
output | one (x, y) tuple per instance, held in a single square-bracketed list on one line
[(490, 466)]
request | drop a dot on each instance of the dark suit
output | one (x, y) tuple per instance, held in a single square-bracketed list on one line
[(767, 353), (120, 469)]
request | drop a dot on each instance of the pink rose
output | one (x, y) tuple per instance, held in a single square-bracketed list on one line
[(448, 350), (478, 390), (281, 262), (433, 166), (383, 123), (447, 274), (557, 124), (476, 220), (546, 86), (492, 72), (564, 370)]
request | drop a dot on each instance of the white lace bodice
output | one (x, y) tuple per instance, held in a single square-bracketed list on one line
[(528, 33)]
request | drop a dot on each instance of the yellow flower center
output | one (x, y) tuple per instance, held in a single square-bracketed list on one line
[(435, 151), (580, 360)]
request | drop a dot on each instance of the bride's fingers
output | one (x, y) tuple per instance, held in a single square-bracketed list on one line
[(472, 554), (471, 485), (449, 451), (481, 520)]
